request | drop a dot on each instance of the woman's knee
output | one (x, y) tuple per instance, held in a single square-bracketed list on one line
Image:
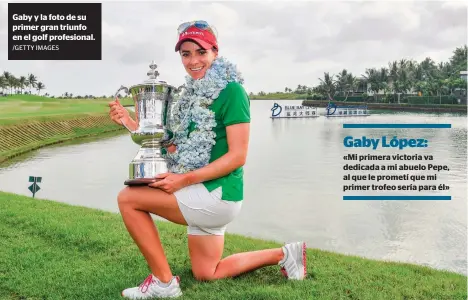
[(125, 197), (204, 275)]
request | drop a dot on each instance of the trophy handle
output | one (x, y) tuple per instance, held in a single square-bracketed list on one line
[(122, 87), (123, 123)]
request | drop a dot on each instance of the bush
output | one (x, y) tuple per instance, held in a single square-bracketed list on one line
[(350, 98), (316, 97), (431, 100)]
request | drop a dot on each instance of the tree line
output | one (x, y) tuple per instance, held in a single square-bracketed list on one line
[(10, 84), (405, 76)]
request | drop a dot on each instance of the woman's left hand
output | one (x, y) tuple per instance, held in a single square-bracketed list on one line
[(171, 148), (170, 182)]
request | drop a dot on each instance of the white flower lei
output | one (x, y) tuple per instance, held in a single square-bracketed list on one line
[(194, 149)]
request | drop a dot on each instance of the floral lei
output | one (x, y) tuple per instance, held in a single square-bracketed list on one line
[(194, 149)]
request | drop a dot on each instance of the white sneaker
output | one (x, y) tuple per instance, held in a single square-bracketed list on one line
[(293, 264), (153, 288)]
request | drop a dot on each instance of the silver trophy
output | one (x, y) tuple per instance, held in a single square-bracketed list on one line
[(153, 102)]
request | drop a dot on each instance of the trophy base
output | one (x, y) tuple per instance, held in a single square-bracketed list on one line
[(140, 181), (146, 166)]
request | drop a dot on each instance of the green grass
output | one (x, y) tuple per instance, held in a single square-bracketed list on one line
[(16, 109), (450, 108), (21, 138), (279, 96), (51, 250), (28, 122)]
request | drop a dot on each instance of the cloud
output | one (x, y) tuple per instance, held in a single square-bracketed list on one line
[(275, 44), (112, 31), (3, 18)]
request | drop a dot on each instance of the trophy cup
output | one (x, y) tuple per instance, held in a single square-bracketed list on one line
[(153, 102)]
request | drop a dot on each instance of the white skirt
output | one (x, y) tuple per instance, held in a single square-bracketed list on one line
[(205, 212)]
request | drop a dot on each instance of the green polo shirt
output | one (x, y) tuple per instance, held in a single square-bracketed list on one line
[(231, 107)]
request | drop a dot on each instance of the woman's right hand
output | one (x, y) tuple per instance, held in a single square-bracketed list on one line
[(118, 113)]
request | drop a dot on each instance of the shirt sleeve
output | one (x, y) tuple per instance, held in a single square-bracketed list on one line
[(237, 106)]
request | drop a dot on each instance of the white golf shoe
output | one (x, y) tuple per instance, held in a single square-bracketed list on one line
[(153, 288), (293, 264)]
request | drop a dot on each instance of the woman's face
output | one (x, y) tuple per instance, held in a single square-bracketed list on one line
[(195, 59)]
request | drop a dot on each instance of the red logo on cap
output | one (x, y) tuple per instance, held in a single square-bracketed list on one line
[(204, 38)]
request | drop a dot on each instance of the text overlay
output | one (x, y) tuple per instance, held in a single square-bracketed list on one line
[(54, 31)]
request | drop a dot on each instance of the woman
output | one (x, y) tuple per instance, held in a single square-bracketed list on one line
[(204, 188)]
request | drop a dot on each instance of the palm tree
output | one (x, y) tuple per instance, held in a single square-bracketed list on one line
[(418, 83), (7, 75), (3, 83), (458, 61), (382, 77), (429, 68), (341, 80), (22, 83), (14, 83), (40, 86), (372, 78), (32, 81), (328, 85), (412, 65), (402, 83), (392, 69), (350, 84)]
